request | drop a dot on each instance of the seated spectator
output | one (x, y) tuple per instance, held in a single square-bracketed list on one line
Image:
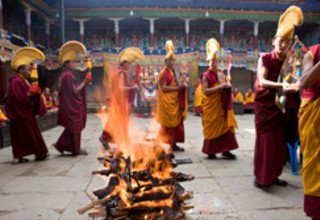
[(237, 95), (249, 98), (47, 99)]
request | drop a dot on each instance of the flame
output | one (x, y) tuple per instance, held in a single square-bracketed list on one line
[(132, 143)]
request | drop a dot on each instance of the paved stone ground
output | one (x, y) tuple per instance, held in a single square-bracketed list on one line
[(54, 189)]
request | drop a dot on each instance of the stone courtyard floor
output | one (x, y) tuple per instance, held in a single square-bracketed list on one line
[(223, 189)]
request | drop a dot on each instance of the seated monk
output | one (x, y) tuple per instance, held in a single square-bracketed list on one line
[(237, 95), (47, 99), (3, 118), (249, 98)]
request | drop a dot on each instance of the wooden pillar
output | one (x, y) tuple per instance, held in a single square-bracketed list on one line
[(28, 22)]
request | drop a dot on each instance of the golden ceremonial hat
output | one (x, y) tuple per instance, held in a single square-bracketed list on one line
[(213, 47), (130, 54), (170, 49), (292, 17), (26, 56), (71, 51)]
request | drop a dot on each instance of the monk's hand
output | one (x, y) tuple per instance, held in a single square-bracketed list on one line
[(135, 87), (181, 86), (290, 87), (186, 85), (226, 85)]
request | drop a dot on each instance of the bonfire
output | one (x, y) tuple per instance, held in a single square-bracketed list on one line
[(141, 183)]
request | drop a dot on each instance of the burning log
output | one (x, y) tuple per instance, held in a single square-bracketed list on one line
[(97, 213), (150, 197), (181, 194), (114, 181), (181, 177), (97, 202), (187, 207)]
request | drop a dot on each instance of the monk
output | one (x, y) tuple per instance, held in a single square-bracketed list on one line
[(171, 109), (218, 119), (47, 99), (237, 95), (72, 114), (249, 98), (122, 96), (270, 146), (198, 97), (309, 131), (23, 104)]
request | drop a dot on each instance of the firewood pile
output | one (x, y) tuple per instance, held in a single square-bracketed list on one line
[(141, 185)]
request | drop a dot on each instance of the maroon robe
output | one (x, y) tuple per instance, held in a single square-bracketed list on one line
[(270, 147), (72, 114), (176, 134), (227, 141), (21, 109)]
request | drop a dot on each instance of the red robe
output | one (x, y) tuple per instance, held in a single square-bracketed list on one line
[(173, 134), (270, 147), (72, 114), (21, 109), (226, 141)]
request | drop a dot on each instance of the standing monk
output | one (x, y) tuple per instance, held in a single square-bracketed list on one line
[(218, 119), (270, 147), (171, 103), (72, 114), (23, 103), (310, 132), (121, 95)]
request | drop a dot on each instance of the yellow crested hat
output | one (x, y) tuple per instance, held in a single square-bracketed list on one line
[(130, 54), (71, 51), (213, 47), (170, 49), (26, 56), (292, 17)]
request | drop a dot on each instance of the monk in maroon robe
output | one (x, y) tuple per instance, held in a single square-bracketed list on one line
[(270, 122), (121, 101), (121, 97), (72, 114), (21, 107)]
